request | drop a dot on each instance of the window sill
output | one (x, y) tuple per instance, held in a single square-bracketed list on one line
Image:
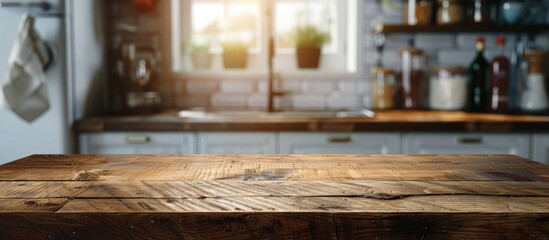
[(263, 74)]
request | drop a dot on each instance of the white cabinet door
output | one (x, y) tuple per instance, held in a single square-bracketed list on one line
[(138, 143), (339, 143), (541, 148), (237, 143), (440, 143)]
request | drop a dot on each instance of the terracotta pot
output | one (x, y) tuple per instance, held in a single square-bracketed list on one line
[(144, 6), (308, 57), (235, 58)]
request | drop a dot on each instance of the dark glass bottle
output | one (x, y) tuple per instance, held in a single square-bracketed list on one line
[(479, 79), (498, 97)]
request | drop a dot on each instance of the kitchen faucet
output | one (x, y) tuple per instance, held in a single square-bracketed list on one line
[(272, 93), (271, 78)]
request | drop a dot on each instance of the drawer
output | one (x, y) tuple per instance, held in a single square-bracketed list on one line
[(339, 143), (138, 143), (515, 144), (237, 143)]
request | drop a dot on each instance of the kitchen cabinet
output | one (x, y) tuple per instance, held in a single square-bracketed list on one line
[(138, 143), (339, 143), (237, 143), (516, 144), (540, 147)]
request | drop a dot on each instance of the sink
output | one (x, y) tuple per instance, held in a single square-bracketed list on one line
[(201, 114)]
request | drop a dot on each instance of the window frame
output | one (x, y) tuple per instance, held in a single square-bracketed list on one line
[(182, 33)]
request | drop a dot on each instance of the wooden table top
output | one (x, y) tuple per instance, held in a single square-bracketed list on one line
[(274, 197), (385, 121)]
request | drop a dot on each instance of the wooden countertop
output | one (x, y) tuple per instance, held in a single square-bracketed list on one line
[(385, 121), (274, 197)]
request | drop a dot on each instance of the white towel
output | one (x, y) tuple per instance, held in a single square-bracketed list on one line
[(24, 87)]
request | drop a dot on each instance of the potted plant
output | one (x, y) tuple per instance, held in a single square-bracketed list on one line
[(235, 54), (200, 54), (308, 40)]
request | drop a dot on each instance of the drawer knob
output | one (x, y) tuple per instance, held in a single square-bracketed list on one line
[(138, 139), (470, 140), (339, 139)]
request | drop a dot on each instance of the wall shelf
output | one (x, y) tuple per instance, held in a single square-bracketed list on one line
[(401, 28)]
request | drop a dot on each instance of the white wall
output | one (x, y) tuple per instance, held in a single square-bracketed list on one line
[(88, 70)]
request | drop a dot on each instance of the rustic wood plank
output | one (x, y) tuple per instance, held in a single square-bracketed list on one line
[(387, 189), (276, 167), (41, 205), (274, 226), (42, 189), (367, 203)]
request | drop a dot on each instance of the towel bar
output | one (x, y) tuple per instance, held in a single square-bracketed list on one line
[(43, 5)]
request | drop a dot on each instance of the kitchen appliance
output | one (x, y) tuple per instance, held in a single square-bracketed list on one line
[(137, 76)]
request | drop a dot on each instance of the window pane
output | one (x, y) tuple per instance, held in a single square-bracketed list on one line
[(206, 20), (292, 13), (216, 21)]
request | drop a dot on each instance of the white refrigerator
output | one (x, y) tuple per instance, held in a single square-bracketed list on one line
[(50, 133)]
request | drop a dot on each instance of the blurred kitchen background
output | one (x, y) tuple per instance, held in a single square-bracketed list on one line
[(140, 58)]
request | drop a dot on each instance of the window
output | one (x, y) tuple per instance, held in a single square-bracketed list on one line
[(216, 21)]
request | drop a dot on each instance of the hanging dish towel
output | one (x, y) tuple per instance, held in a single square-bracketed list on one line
[(24, 87)]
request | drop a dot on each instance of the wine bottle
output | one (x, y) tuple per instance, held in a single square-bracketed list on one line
[(479, 78), (498, 97)]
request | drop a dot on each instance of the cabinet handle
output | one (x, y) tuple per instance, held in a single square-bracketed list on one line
[(138, 139), (469, 140), (339, 139)]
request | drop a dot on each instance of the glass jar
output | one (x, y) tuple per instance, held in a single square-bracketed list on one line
[(448, 88), (418, 12), (449, 12), (412, 85), (383, 88), (480, 12), (534, 96)]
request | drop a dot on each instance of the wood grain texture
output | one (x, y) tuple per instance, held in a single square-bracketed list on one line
[(385, 121), (274, 197)]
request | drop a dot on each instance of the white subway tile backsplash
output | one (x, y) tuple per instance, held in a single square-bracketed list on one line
[(232, 100), (385, 19), (435, 41), (291, 86), (468, 40), (341, 100), (390, 57), (398, 40), (370, 8), (347, 86), (315, 86), (308, 101), (202, 86), (262, 87), (367, 101), (456, 57), (228, 86), (257, 100), (542, 41)]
